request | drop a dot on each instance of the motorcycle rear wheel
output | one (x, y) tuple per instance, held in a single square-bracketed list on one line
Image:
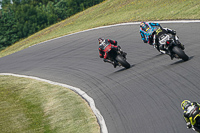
[(180, 53), (122, 61)]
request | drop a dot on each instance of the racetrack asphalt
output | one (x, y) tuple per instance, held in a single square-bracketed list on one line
[(143, 99)]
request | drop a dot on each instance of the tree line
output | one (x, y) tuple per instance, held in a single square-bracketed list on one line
[(22, 18)]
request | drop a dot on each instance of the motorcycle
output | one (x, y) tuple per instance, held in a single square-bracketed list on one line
[(194, 113), (118, 56), (168, 41)]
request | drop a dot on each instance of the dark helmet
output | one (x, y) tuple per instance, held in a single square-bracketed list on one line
[(185, 104), (101, 40)]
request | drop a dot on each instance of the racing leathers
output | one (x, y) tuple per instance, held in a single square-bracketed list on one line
[(104, 48), (147, 30), (192, 116), (158, 34)]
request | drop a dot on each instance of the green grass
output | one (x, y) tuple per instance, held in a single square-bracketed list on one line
[(113, 12), (32, 106)]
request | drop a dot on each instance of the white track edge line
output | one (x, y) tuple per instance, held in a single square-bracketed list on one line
[(90, 101), (121, 24)]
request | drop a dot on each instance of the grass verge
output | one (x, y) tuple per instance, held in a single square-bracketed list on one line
[(112, 12), (28, 105)]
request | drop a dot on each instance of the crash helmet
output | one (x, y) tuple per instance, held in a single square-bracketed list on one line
[(185, 104), (101, 40), (144, 25)]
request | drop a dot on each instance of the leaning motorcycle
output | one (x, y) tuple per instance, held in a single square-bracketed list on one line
[(117, 55), (194, 113), (170, 44)]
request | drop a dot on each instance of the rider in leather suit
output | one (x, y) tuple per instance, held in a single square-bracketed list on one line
[(146, 29), (191, 114), (104, 47), (158, 33)]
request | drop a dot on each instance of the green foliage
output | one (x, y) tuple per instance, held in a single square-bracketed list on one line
[(22, 18), (7, 28)]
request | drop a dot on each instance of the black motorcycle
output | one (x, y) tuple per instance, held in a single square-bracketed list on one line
[(118, 56), (194, 113), (170, 44), (196, 127)]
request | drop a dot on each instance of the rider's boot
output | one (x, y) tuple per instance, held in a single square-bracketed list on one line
[(171, 55), (163, 51), (167, 52), (114, 63)]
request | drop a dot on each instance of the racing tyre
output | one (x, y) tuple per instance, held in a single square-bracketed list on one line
[(180, 53), (122, 61)]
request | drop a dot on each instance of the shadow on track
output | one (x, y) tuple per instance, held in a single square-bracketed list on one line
[(123, 69), (182, 61)]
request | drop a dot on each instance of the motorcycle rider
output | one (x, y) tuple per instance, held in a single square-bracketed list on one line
[(191, 112), (104, 46), (156, 35), (146, 29)]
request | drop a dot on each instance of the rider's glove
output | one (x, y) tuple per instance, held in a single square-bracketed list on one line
[(119, 48), (189, 125), (173, 32)]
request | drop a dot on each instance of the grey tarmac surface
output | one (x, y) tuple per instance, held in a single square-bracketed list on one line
[(143, 99)]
